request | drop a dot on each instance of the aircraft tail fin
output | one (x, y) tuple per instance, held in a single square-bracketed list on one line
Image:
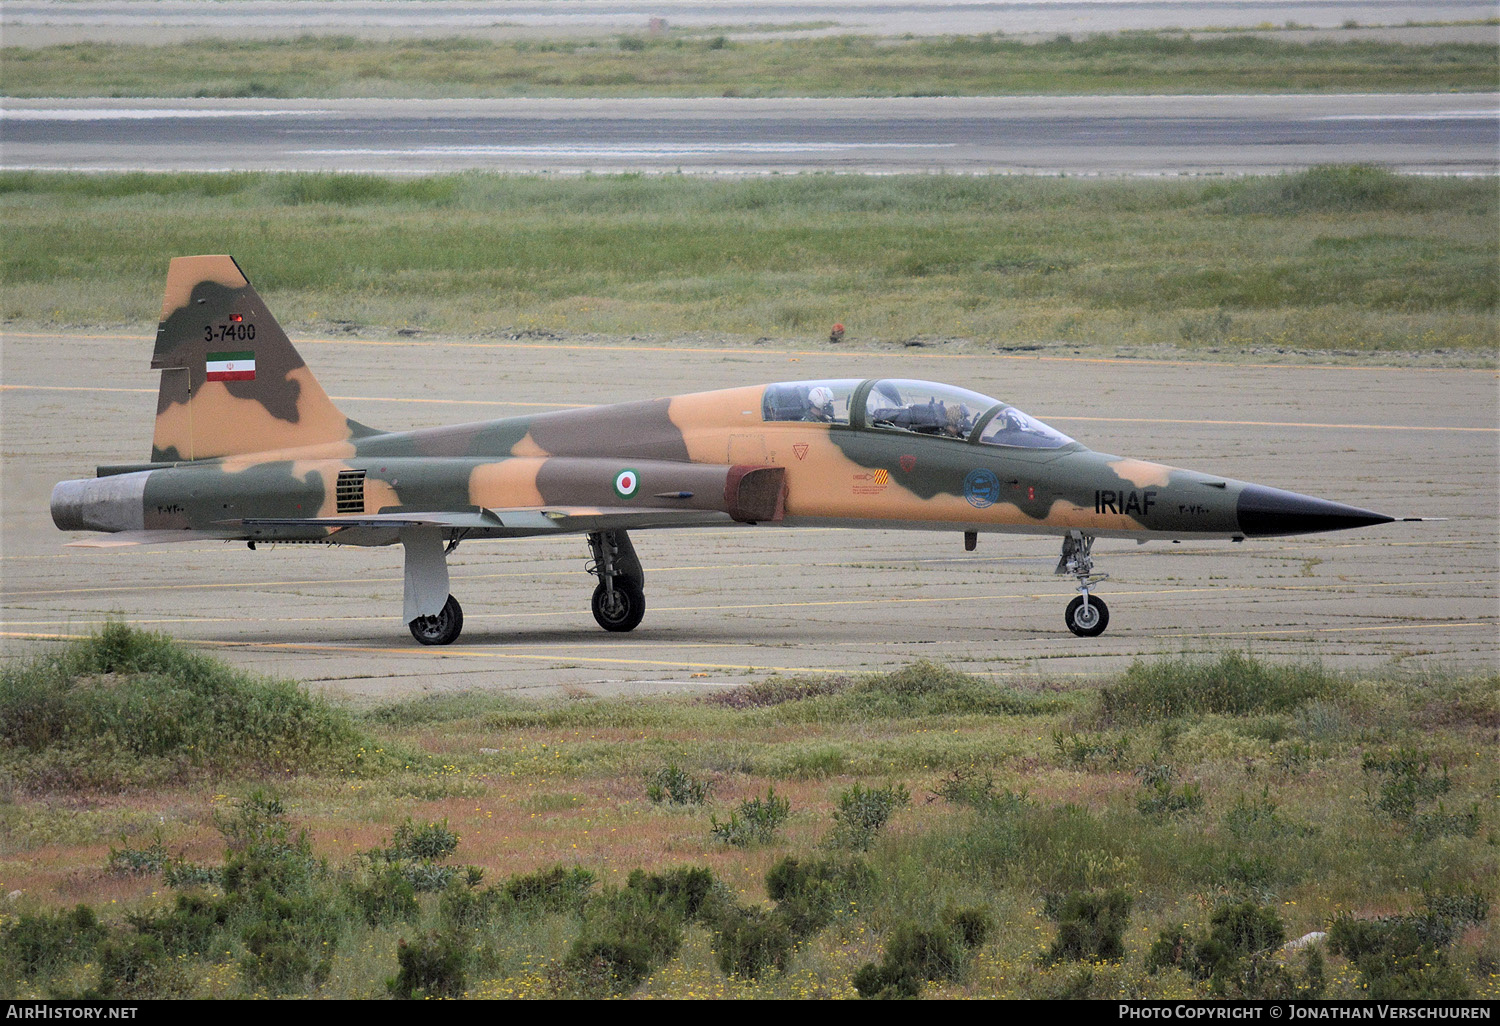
[(231, 381)]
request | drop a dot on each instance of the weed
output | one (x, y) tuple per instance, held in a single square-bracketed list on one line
[(863, 811), (676, 786), (1090, 926), (755, 822), (432, 966)]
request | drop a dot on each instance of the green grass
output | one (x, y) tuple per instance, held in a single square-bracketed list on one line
[(126, 709), (1353, 260), (334, 66), (500, 857)]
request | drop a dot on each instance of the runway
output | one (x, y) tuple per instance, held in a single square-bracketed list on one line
[(38, 22), (726, 605), (1090, 135)]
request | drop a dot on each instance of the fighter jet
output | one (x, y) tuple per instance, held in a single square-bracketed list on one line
[(248, 447)]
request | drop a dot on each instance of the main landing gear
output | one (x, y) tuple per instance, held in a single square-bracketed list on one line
[(442, 629), (620, 597), (1087, 615)]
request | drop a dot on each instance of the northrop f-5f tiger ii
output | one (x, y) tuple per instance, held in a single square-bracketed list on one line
[(248, 447)]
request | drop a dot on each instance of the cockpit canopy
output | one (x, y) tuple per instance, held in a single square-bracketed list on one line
[(918, 407)]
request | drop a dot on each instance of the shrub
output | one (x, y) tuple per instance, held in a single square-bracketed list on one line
[(130, 708), (550, 890), (863, 811), (432, 966), (1090, 925), (432, 842), (38, 943), (626, 934), (1236, 932), (675, 786), (882, 982), (755, 822), (749, 942), (1399, 958), (1159, 798), (1235, 684), (137, 861), (189, 927), (808, 894), (135, 966), (685, 889), (388, 898)]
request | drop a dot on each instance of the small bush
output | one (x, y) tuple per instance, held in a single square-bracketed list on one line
[(675, 786), (1399, 958), (388, 898), (863, 811), (1234, 684), (882, 982), (136, 966), (749, 942), (1236, 932), (130, 708), (191, 925), (40, 943), (432, 966), (137, 861), (755, 822), (432, 842), (1090, 926), (626, 934), (809, 894), (550, 890), (686, 889)]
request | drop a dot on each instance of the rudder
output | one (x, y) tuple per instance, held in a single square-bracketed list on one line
[(231, 381)]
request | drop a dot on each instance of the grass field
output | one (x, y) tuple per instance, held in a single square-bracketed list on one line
[(329, 66), (1161, 833), (1336, 259)]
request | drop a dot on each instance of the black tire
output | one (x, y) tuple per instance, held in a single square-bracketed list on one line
[(442, 629), (1093, 621), (625, 612)]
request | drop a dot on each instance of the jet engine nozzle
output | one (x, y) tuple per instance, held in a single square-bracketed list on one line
[(115, 503)]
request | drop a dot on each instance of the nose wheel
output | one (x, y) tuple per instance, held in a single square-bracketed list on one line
[(1087, 615)]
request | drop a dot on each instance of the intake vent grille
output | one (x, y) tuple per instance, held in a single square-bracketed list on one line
[(350, 491)]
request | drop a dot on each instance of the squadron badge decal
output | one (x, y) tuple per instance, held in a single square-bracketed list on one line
[(981, 488)]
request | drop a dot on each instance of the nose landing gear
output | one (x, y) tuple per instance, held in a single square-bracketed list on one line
[(1086, 616)]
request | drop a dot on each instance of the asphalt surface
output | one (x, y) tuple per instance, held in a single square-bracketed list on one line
[(1106, 135), (727, 605), (40, 22)]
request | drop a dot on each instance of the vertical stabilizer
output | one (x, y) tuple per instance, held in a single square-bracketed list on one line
[(231, 381)]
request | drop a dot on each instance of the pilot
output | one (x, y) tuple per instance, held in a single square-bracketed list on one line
[(819, 405)]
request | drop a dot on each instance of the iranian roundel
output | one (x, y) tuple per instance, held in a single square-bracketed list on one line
[(626, 482)]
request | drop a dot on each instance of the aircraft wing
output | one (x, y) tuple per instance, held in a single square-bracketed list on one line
[(494, 523), (120, 539)]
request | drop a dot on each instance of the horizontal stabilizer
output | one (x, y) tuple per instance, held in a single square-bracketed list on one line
[(121, 539)]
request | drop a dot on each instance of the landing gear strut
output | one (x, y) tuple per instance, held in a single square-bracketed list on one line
[(620, 597), (1087, 615)]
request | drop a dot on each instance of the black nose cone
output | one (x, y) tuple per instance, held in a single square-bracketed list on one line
[(1271, 511)]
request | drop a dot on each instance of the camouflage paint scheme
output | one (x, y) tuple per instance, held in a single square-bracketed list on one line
[(261, 459)]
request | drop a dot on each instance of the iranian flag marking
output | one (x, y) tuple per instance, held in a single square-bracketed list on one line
[(626, 482), (231, 366)]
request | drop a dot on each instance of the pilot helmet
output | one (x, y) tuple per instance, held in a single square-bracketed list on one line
[(820, 396)]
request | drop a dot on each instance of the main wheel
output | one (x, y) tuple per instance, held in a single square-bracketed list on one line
[(441, 629), (1087, 621), (621, 610)]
